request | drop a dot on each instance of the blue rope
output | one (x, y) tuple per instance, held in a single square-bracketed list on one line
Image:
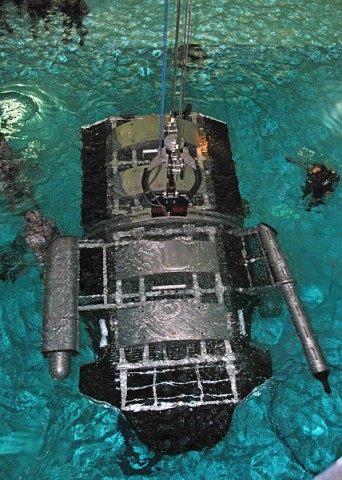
[(161, 125)]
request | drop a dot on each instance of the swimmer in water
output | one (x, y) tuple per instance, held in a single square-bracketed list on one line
[(3, 22), (73, 12), (320, 183), (5, 150), (40, 232), (196, 55), (13, 185), (39, 9)]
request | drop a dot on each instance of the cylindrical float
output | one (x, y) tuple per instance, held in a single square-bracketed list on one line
[(60, 333), (282, 275)]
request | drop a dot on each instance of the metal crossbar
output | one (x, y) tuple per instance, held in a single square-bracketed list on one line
[(199, 387)]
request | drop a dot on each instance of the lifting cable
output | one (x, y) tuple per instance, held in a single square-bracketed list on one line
[(175, 59), (161, 124), (185, 53), (186, 40)]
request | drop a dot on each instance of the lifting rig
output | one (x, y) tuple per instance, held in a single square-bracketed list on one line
[(166, 277)]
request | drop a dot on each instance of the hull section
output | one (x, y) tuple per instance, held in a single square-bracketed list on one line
[(167, 280), (168, 299)]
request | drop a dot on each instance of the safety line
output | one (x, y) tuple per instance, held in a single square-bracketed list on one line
[(161, 125)]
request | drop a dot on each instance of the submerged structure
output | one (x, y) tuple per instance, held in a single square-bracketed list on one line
[(166, 278), (167, 283)]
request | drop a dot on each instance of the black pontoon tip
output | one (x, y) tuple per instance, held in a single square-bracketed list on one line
[(323, 377)]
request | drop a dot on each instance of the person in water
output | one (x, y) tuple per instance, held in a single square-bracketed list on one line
[(13, 185), (39, 9), (320, 183), (40, 232), (5, 149), (3, 22), (73, 12), (196, 55)]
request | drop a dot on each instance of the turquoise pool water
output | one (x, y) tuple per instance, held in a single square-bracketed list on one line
[(273, 73)]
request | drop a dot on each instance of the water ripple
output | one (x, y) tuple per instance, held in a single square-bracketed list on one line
[(22, 107)]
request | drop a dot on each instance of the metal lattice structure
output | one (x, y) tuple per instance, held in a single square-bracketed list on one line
[(167, 285)]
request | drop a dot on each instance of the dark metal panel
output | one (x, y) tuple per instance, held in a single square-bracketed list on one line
[(96, 146), (222, 172)]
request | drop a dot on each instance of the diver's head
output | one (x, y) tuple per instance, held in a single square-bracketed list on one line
[(33, 216), (316, 169)]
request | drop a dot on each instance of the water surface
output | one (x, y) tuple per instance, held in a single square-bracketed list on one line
[(273, 73)]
